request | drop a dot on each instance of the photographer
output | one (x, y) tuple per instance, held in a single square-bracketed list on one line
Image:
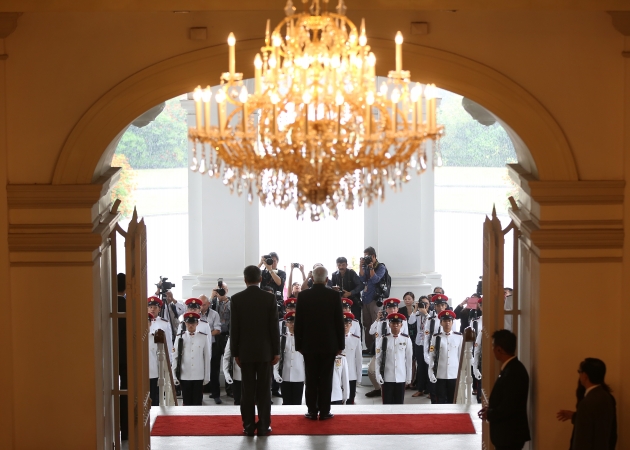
[(308, 282), (274, 278), (467, 311), (296, 287), (172, 308), (370, 275), (221, 304), (214, 322), (349, 285)]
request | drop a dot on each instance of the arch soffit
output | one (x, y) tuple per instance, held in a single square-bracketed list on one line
[(83, 156)]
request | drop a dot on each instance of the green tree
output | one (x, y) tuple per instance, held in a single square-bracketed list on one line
[(161, 144), (126, 186), (466, 142)]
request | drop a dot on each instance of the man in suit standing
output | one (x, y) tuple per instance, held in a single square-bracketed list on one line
[(255, 346), (595, 421), (507, 406), (320, 337)]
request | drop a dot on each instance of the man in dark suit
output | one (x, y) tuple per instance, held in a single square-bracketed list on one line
[(595, 421), (255, 345), (507, 406), (319, 336)]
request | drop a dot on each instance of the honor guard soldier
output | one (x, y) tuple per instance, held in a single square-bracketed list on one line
[(192, 362), (154, 391), (354, 355), (290, 369), (154, 307), (232, 373), (432, 326), (379, 328), (289, 306), (444, 353), (346, 305), (340, 381), (477, 326), (394, 358)]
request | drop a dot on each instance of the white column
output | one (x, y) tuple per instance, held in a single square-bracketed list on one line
[(223, 231), (402, 230)]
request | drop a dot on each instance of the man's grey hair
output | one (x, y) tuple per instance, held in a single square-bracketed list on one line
[(319, 275)]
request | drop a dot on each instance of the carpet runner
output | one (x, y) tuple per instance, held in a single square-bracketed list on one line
[(341, 424)]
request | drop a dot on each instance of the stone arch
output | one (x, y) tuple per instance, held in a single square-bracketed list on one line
[(541, 145)]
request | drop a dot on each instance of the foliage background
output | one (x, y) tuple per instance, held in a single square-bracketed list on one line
[(126, 186)]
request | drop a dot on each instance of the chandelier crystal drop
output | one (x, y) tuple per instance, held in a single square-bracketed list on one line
[(317, 131)]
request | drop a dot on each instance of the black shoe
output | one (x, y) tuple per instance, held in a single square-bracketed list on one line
[(311, 416), (276, 394), (248, 433), (326, 416), (218, 400), (374, 393), (264, 433)]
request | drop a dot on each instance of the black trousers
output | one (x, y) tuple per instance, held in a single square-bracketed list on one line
[(292, 392), (393, 393), (318, 371), (154, 392), (215, 364), (422, 371), (123, 405), (445, 390), (236, 388), (192, 392), (255, 393), (353, 392), (432, 388)]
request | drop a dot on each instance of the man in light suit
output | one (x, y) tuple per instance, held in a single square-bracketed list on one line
[(255, 346), (507, 406), (320, 337)]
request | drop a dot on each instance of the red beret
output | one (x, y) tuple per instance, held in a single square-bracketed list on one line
[(347, 301), (191, 317), (289, 315), (194, 301), (447, 314), (155, 301), (348, 316), (396, 317), (439, 298), (291, 301)]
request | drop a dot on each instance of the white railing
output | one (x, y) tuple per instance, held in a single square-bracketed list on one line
[(168, 397), (464, 387)]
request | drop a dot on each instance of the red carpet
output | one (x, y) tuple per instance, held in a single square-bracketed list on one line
[(340, 425)]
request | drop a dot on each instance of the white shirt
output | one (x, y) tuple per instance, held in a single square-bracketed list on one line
[(354, 358), (355, 328), (236, 369), (437, 328), (214, 321), (340, 384), (195, 357), (162, 324), (153, 359), (377, 328), (202, 326), (420, 320), (477, 349), (293, 363), (398, 358), (450, 349)]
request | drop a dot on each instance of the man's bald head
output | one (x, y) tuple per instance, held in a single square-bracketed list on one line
[(205, 302), (320, 275)]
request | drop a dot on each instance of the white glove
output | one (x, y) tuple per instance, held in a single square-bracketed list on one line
[(278, 378), (176, 381), (359, 384), (379, 378), (477, 373), (228, 379), (432, 378)]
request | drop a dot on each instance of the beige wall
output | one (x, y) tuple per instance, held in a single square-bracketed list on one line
[(569, 72)]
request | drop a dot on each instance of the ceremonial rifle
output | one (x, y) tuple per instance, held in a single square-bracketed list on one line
[(383, 348)]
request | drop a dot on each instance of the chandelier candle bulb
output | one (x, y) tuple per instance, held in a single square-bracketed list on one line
[(258, 73), (198, 110), (232, 45), (206, 96), (399, 41)]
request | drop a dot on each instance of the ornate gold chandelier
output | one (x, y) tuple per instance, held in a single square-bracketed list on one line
[(316, 132)]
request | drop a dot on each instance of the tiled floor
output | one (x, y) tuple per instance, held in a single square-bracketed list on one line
[(364, 406)]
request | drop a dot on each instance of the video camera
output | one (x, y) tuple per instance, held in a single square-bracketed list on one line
[(164, 286)]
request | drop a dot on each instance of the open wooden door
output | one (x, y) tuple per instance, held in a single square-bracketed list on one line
[(139, 402), (494, 303)]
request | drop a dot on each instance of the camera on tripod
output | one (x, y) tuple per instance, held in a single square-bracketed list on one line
[(164, 286), (220, 290)]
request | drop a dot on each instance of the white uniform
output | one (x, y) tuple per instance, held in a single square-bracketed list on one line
[(162, 324), (153, 359), (477, 350), (340, 382), (355, 328), (437, 328), (354, 357), (202, 327), (450, 349), (293, 364), (195, 357), (377, 328), (398, 358), (236, 369)]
